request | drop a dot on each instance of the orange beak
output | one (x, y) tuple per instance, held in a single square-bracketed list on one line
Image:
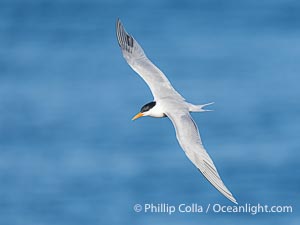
[(138, 116)]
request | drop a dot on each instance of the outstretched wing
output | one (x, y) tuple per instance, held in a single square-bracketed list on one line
[(189, 139), (137, 59)]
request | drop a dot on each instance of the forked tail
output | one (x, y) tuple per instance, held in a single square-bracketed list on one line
[(199, 108)]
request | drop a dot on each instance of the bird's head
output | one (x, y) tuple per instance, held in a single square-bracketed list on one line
[(145, 110)]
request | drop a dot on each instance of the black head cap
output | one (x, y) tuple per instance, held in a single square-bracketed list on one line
[(148, 106)]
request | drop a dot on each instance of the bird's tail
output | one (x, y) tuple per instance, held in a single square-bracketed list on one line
[(199, 108)]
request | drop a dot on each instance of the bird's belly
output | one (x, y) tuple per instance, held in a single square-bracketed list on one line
[(158, 115)]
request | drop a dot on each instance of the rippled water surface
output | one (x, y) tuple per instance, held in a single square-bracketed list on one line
[(69, 152)]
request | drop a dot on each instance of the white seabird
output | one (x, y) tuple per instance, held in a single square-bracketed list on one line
[(168, 102)]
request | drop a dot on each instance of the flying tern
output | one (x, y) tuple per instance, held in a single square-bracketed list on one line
[(169, 103)]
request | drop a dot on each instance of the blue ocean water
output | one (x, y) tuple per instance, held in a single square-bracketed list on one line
[(69, 152)]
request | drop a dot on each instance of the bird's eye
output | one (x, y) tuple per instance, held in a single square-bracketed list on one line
[(144, 108), (148, 106)]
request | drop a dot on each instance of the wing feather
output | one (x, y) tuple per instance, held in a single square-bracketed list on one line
[(158, 83), (189, 139)]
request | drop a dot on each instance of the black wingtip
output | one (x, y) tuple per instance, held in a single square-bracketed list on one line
[(118, 21), (125, 41), (118, 27)]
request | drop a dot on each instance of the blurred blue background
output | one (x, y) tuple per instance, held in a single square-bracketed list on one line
[(69, 152)]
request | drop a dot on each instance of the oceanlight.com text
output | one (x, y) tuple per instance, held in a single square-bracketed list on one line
[(247, 208)]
